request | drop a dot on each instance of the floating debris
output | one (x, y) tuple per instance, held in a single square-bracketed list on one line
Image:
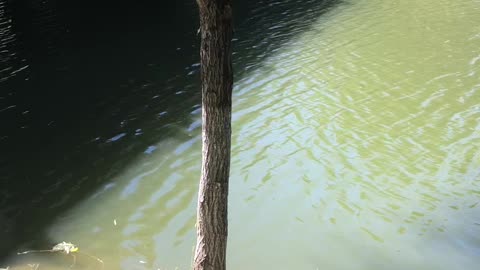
[(65, 248)]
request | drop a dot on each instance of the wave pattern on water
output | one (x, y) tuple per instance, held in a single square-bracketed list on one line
[(7, 38), (370, 130)]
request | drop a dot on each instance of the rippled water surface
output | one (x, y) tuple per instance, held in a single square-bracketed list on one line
[(355, 146)]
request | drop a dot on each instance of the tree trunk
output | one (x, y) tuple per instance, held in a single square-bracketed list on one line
[(217, 80)]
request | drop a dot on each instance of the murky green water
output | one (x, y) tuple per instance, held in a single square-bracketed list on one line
[(355, 146)]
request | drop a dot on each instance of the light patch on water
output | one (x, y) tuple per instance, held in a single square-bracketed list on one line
[(116, 137), (366, 142), (144, 216)]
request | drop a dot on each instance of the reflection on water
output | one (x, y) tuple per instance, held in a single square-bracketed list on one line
[(7, 56), (355, 147)]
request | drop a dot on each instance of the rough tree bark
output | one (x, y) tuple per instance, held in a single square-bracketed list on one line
[(216, 80)]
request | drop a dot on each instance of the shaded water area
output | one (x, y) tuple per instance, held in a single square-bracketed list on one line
[(355, 145)]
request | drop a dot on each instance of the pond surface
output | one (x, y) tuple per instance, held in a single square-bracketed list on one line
[(356, 134)]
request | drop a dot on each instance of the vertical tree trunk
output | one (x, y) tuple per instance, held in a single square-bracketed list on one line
[(217, 80)]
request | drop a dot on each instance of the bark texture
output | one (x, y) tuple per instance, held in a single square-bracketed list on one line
[(216, 79)]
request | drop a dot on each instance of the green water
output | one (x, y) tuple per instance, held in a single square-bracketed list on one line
[(355, 146)]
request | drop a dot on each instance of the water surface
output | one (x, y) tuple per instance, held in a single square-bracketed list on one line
[(355, 146)]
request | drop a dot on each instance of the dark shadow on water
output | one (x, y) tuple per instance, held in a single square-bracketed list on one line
[(271, 25), (91, 86)]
